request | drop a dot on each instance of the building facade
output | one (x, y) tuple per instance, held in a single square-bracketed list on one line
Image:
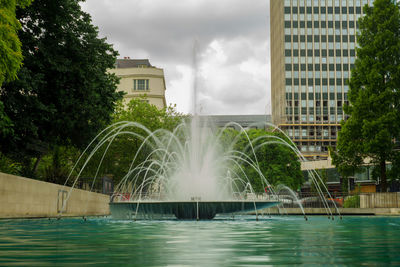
[(140, 79), (244, 121), (312, 52)]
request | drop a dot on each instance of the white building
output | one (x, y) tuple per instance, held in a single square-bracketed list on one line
[(140, 79)]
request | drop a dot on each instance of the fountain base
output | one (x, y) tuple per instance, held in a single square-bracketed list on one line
[(186, 210)]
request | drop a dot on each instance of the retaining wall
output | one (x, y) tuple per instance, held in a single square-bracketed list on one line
[(27, 198)]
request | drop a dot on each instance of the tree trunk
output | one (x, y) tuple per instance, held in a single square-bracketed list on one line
[(36, 164), (383, 176)]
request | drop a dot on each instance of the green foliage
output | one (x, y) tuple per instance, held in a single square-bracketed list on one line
[(5, 123), (352, 202), (124, 147), (56, 165), (374, 94), (278, 163), (138, 110), (56, 172), (323, 174), (64, 94), (10, 52), (9, 166), (394, 172), (10, 45)]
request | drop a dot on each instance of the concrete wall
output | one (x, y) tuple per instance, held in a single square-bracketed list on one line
[(26, 198), (380, 200), (277, 30)]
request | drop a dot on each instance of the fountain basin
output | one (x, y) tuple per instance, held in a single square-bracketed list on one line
[(186, 210)]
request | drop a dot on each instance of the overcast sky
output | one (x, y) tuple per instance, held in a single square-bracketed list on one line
[(232, 48)]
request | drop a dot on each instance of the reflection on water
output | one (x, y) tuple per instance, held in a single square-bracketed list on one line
[(221, 242)]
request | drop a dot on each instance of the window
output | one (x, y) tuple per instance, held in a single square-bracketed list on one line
[(140, 84)]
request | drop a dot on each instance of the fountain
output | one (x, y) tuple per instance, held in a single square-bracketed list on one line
[(187, 172)]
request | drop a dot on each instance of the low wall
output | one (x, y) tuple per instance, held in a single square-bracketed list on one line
[(343, 211), (380, 200), (27, 198)]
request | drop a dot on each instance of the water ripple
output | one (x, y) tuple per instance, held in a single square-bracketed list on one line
[(224, 242)]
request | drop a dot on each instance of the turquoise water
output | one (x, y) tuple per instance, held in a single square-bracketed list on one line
[(222, 242)]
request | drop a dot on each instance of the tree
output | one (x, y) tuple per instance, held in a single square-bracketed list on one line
[(64, 94), (139, 110), (320, 183), (10, 45), (124, 147), (374, 122), (57, 164), (10, 52), (278, 163)]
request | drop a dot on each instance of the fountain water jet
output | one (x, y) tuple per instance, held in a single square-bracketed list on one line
[(188, 172)]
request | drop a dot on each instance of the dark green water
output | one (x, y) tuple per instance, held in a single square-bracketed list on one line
[(355, 241)]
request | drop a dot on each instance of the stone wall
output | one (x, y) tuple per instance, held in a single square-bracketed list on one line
[(27, 198)]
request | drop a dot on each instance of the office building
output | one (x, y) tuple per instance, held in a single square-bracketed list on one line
[(312, 52), (241, 121)]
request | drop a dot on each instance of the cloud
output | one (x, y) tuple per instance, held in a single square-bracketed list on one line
[(232, 50)]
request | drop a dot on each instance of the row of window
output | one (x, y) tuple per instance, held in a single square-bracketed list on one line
[(318, 60), (322, 31), (321, 24), (317, 75), (313, 131), (323, 18), (318, 67), (318, 53), (324, 46), (323, 10), (332, 97), (317, 103), (323, 38), (317, 89), (350, 3), (314, 149), (318, 118), (311, 111), (316, 81)]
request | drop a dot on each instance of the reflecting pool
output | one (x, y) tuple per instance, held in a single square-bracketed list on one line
[(220, 242)]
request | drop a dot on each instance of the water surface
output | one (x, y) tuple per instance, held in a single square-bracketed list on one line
[(222, 242)]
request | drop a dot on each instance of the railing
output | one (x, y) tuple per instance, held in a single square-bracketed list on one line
[(307, 200), (361, 200)]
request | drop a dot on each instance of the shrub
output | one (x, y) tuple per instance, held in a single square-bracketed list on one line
[(352, 202)]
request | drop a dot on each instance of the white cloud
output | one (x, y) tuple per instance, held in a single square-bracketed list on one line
[(232, 47), (179, 88)]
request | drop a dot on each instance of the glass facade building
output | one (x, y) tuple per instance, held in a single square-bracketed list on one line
[(312, 53)]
